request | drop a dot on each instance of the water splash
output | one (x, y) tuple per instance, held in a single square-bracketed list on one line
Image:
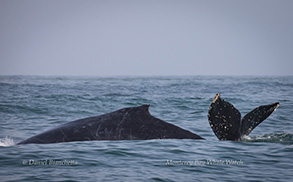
[(282, 138), (6, 142)]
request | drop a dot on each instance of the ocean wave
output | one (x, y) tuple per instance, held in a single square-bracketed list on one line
[(282, 138)]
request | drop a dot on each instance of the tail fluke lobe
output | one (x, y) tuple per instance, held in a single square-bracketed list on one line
[(224, 119), (256, 116)]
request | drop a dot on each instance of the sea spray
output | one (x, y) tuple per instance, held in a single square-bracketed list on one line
[(6, 142)]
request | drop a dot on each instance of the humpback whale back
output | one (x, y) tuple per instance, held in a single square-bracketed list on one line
[(225, 120), (133, 123)]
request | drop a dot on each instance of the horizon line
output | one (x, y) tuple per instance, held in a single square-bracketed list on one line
[(215, 75)]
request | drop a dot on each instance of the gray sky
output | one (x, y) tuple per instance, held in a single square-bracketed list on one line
[(146, 37)]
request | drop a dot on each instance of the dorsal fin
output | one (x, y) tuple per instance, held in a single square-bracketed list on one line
[(224, 119), (145, 107), (255, 117)]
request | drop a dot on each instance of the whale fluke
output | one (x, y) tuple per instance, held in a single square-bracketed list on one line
[(133, 123), (225, 120), (256, 116)]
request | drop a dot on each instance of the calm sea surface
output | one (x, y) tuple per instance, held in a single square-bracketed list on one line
[(32, 104)]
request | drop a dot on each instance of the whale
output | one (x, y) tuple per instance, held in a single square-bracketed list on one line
[(136, 123), (132, 123), (227, 124)]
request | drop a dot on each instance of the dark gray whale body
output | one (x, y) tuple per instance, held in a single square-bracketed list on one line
[(225, 120), (134, 123)]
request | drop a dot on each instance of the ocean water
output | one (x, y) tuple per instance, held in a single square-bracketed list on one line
[(30, 105)]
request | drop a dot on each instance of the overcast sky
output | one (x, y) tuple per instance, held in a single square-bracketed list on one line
[(146, 37)]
